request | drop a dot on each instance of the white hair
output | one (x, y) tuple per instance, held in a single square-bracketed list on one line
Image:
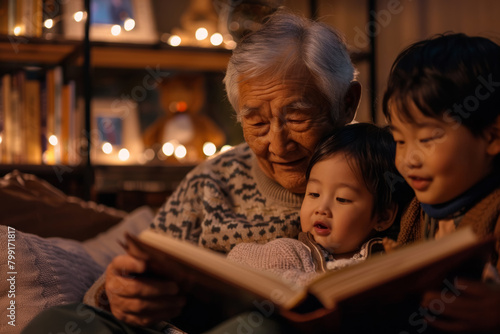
[(287, 42)]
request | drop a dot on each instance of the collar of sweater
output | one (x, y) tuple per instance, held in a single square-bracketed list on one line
[(457, 206), (272, 190)]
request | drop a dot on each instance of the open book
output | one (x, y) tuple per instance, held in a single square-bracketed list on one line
[(394, 275)]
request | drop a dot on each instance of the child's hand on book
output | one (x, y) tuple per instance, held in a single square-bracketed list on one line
[(389, 245), (140, 299), (473, 308)]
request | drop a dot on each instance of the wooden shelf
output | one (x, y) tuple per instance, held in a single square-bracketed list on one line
[(172, 58), (35, 50), (38, 51)]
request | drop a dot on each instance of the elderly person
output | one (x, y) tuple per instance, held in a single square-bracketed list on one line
[(290, 83)]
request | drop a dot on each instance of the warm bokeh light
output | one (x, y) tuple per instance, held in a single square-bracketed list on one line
[(174, 40), (17, 30), (230, 45), (234, 25), (53, 140), (225, 148), (181, 106), (49, 23), (116, 30), (123, 154), (209, 149), (1, 139), (180, 152), (201, 34), (168, 149), (107, 148), (149, 154), (78, 16), (129, 24), (216, 39)]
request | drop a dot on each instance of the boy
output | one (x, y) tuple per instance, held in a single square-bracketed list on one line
[(443, 106)]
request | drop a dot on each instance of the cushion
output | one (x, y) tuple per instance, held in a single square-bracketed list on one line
[(43, 272), (33, 205), (106, 245)]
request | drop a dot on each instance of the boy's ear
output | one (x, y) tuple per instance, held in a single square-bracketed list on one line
[(493, 136), (386, 218)]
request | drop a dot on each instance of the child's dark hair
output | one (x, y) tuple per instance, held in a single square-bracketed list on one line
[(372, 150), (451, 77)]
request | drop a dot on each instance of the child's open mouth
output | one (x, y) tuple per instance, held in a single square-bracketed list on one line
[(321, 228)]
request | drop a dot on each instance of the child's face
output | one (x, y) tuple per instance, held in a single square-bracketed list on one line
[(439, 160), (337, 208)]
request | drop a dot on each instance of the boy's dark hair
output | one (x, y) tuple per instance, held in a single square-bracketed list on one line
[(372, 150), (451, 77)]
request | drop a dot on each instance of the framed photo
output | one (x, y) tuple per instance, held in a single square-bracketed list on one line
[(115, 132), (125, 21)]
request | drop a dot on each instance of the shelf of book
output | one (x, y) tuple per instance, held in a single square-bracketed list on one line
[(192, 59), (39, 51), (25, 51)]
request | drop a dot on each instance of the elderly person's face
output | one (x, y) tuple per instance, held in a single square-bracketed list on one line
[(282, 121)]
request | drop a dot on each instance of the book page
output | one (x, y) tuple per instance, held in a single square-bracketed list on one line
[(427, 261), (193, 265)]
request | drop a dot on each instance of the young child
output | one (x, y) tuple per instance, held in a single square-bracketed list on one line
[(443, 106), (350, 200)]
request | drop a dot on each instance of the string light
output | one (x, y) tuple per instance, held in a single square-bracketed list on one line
[(180, 152), (53, 140), (17, 30), (123, 154), (201, 33), (129, 24), (168, 149), (149, 154), (49, 23), (107, 148), (78, 16), (209, 149), (225, 148), (174, 40), (116, 30), (216, 39)]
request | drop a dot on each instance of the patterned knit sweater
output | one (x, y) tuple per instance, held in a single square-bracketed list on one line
[(297, 262), (227, 200), (483, 217)]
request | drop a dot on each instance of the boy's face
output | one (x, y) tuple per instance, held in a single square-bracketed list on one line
[(438, 159), (337, 208)]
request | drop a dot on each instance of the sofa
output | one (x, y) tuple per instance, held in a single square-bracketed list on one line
[(53, 246)]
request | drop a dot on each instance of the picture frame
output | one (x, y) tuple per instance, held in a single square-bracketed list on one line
[(105, 14), (115, 122)]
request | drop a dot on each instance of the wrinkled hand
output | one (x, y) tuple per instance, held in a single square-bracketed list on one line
[(140, 300), (476, 308)]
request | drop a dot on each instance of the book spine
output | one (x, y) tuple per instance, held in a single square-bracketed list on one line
[(37, 18), (32, 134), (18, 23), (4, 17), (17, 106), (65, 123), (49, 157), (2, 133), (43, 119), (58, 89), (11, 16), (6, 85)]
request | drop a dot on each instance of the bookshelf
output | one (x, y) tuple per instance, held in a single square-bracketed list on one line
[(99, 66), (79, 62), (46, 54)]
